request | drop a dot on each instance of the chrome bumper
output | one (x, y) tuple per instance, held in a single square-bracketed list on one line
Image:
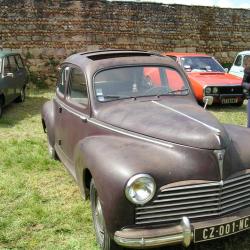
[(133, 238), (179, 234)]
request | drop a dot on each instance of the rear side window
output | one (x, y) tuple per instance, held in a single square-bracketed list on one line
[(238, 61), (13, 65), (77, 91), (19, 62), (6, 66), (63, 79)]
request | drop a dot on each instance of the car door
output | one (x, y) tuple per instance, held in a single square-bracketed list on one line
[(9, 82), (237, 68), (75, 114), (21, 74), (58, 106)]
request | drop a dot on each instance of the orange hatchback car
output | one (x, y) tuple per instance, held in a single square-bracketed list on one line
[(209, 78)]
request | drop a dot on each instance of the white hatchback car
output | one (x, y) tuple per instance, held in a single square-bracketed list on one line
[(237, 67)]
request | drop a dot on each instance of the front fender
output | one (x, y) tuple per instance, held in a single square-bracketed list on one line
[(113, 160), (48, 121)]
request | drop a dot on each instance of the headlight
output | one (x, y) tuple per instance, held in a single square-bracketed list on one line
[(140, 189), (215, 90), (208, 90)]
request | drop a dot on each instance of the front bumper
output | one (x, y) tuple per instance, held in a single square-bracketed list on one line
[(179, 234)]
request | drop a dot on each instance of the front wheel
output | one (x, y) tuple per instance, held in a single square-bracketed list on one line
[(103, 239)]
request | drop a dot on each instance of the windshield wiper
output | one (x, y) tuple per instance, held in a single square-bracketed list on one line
[(115, 96), (172, 92), (177, 90)]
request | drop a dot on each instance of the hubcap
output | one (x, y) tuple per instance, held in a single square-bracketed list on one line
[(99, 221), (22, 95)]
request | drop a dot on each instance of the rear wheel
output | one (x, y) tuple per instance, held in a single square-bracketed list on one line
[(21, 97), (1, 108), (52, 151), (103, 239)]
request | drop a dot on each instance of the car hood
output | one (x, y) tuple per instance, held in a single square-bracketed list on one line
[(175, 120), (214, 78)]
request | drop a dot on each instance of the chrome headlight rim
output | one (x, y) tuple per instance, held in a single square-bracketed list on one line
[(132, 181), (208, 90), (215, 90)]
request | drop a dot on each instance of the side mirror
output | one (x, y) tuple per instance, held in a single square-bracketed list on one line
[(226, 70), (208, 100), (187, 68)]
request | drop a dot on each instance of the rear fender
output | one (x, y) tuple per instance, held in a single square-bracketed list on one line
[(48, 121)]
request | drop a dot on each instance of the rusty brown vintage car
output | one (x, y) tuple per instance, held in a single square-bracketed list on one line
[(158, 168)]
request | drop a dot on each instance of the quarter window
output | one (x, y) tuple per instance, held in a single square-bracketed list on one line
[(77, 87), (19, 62), (238, 61), (63, 79), (13, 65), (6, 66)]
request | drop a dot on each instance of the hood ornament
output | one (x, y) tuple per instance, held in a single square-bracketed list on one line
[(220, 157)]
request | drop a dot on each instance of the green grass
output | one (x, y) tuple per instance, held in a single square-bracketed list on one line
[(40, 205)]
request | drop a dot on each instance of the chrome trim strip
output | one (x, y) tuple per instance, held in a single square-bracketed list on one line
[(186, 198), (188, 192), (130, 134), (144, 217), (191, 186), (177, 218), (217, 131), (160, 210), (177, 204)]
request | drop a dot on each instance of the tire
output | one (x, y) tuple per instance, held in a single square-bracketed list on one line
[(52, 151), (1, 108), (103, 239), (22, 96)]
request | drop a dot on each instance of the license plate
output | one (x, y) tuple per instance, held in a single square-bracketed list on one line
[(229, 100), (222, 230)]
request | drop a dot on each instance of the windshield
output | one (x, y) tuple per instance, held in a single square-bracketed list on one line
[(201, 64), (140, 81)]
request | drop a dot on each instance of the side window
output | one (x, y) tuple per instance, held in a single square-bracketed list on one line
[(174, 58), (175, 81), (19, 62), (6, 66), (13, 65), (238, 61), (63, 76), (77, 91)]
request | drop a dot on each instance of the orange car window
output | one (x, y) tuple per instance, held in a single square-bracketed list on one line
[(153, 74), (175, 81)]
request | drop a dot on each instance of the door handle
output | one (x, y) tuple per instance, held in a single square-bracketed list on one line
[(60, 109)]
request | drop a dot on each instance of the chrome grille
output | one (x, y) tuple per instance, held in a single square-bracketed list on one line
[(196, 201)]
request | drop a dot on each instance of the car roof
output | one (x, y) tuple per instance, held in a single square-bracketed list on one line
[(180, 54), (7, 53), (246, 52), (95, 60)]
